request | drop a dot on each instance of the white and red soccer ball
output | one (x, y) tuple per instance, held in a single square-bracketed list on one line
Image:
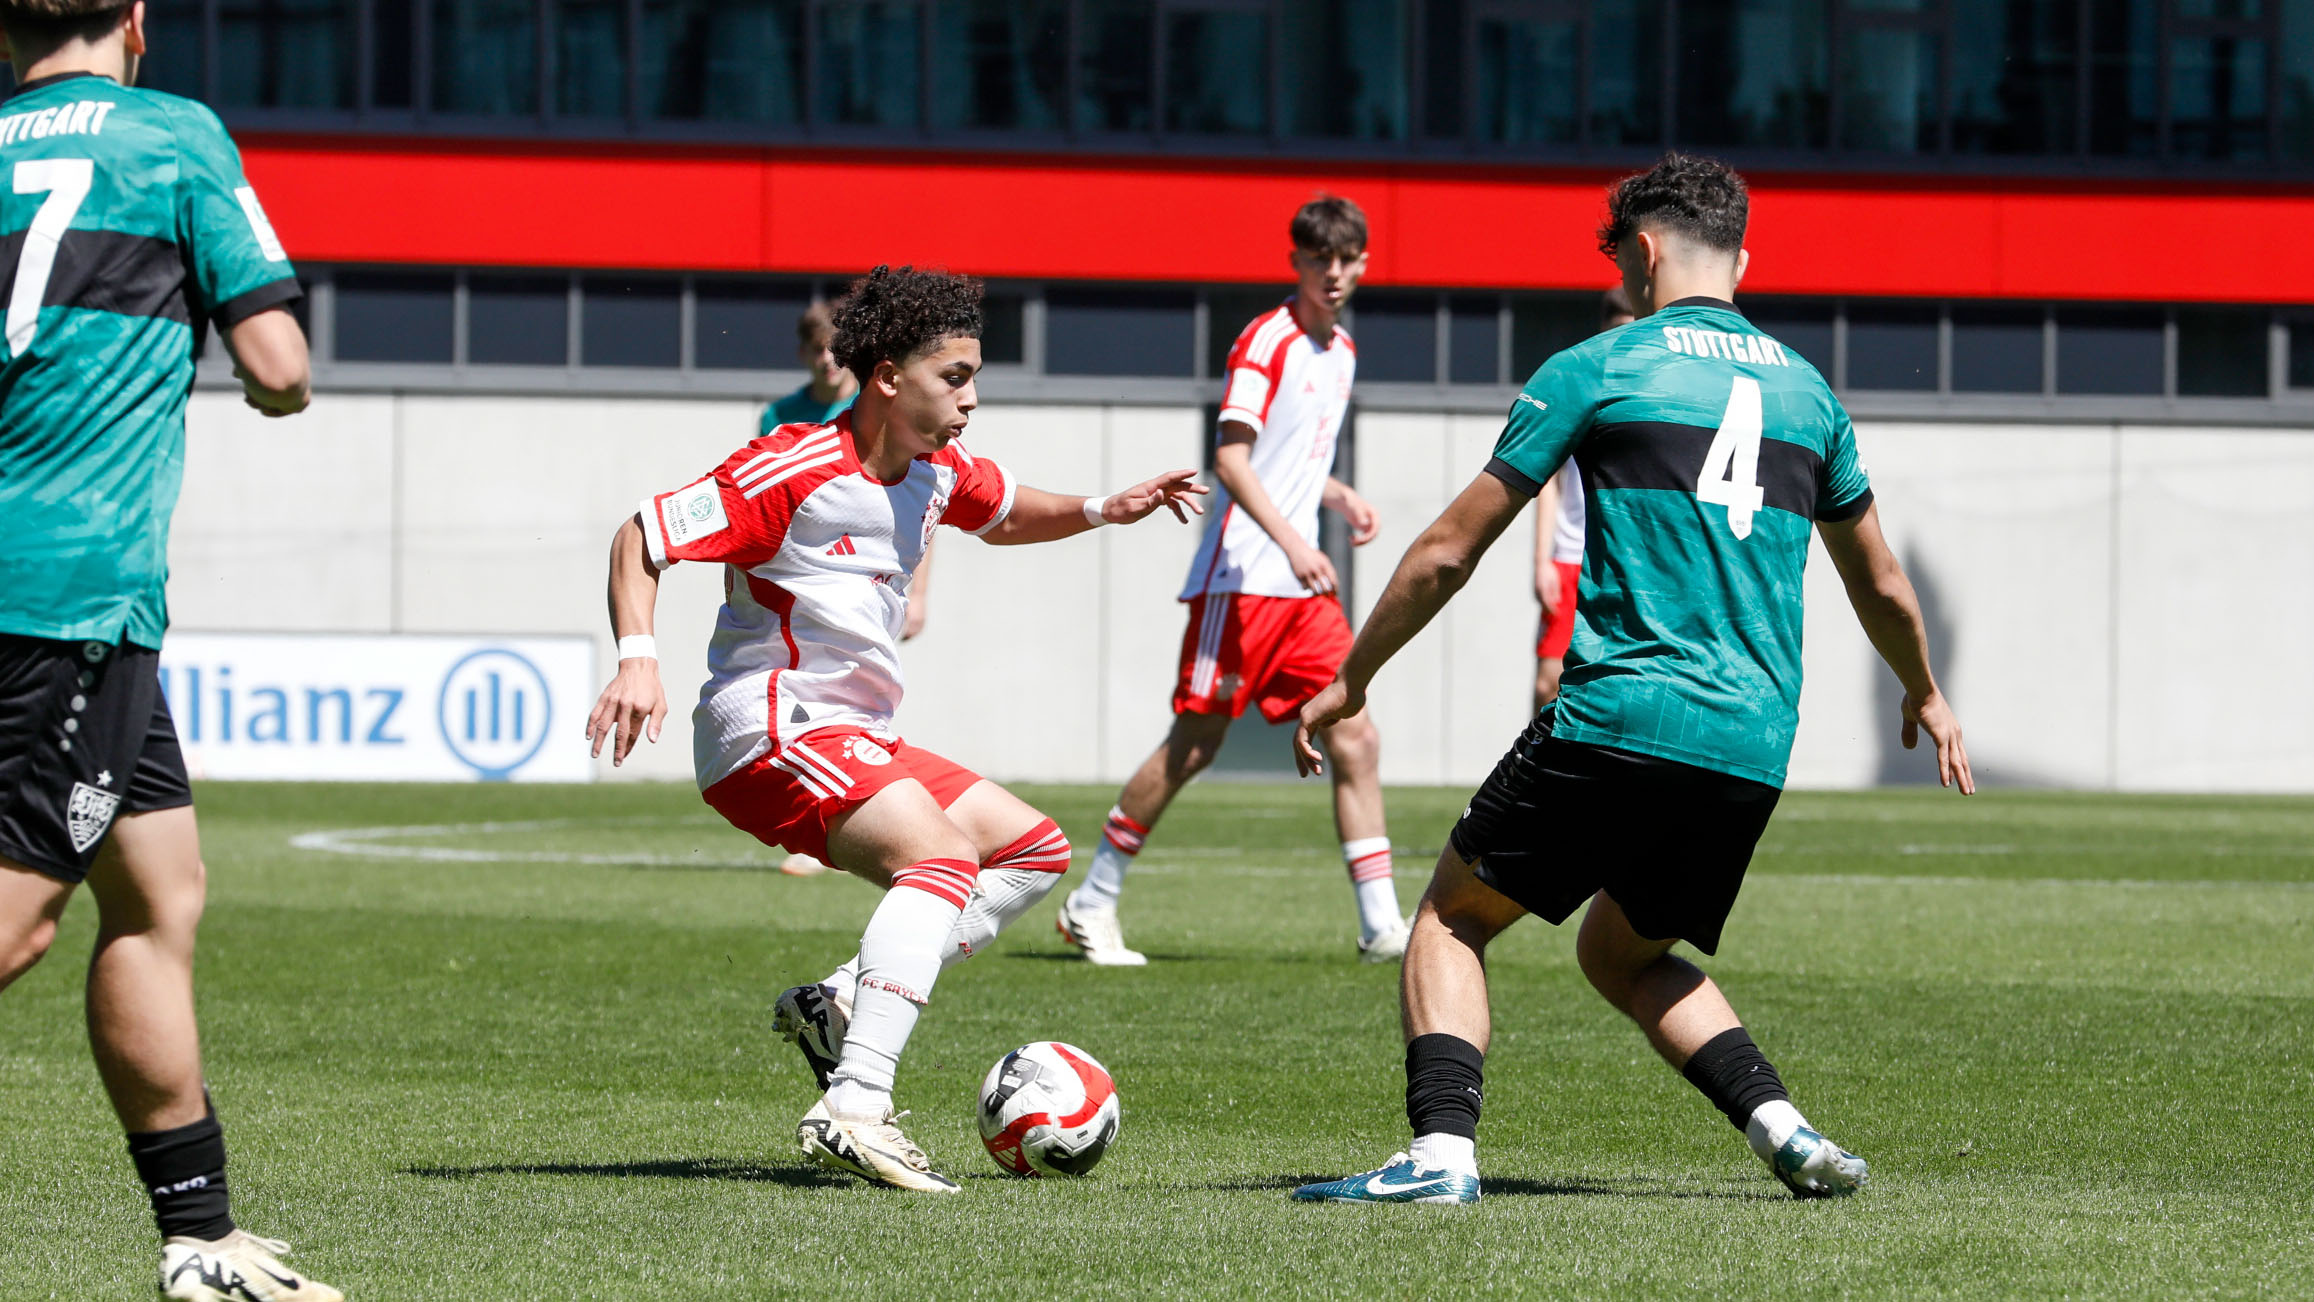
[(1048, 1109)]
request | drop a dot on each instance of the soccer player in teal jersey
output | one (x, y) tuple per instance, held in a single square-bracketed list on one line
[(1708, 452), (128, 228), (830, 390)]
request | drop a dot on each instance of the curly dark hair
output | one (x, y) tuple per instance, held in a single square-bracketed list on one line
[(1701, 198), (48, 23), (892, 316)]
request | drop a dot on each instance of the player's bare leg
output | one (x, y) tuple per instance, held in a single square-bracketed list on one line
[(1691, 1024), (1088, 917), (30, 904), (150, 887), (1354, 747)]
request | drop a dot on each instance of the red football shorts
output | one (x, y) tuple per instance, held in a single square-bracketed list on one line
[(1559, 625), (788, 797), (1276, 651)]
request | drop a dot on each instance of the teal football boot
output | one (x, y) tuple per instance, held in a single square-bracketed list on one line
[(1398, 1182), (1812, 1166)]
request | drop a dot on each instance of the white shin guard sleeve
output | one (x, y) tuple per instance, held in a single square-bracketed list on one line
[(899, 960)]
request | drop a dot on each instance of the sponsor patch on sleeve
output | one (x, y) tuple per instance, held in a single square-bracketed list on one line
[(689, 514)]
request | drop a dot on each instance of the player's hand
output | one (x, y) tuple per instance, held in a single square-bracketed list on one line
[(1314, 568), (1175, 490), (913, 622), (1364, 521), (1329, 707), (630, 709), (1934, 716), (1547, 588)]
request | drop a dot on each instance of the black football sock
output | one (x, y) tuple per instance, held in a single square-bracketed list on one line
[(1444, 1085), (1733, 1073), (183, 1171)]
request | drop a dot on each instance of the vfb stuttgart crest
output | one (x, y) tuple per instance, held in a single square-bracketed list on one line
[(866, 752), (88, 814)]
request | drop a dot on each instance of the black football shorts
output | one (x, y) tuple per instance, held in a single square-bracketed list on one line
[(85, 736), (1558, 821)]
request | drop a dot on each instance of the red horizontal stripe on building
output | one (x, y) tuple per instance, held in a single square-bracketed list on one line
[(495, 203)]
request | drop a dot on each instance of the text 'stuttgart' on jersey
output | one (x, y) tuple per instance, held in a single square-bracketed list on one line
[(1708, 452), (1293, 391), (818, 555), (125, 227)]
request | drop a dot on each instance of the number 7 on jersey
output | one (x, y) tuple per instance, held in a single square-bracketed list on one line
[(1731, 468), (66, 182)]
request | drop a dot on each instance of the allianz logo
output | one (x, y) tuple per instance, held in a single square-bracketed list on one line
[(211, 708)]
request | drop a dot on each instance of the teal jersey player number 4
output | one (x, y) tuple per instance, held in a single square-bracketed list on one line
[(124, 221), (1709, 451)]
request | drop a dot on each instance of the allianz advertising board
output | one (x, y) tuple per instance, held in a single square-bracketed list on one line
[(386, 707)]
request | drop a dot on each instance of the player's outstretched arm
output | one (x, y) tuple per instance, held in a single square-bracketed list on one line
[(1890, 612), (1365, 522), (1038, 516), (1428, 576), (634, 704), (270, 360)]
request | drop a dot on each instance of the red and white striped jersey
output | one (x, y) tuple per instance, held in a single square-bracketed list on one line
[(818, 555), (1293, 391)]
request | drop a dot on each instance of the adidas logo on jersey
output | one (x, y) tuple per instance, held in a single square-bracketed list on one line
[(844, 547)]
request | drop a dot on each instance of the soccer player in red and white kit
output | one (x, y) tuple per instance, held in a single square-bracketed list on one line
[(1265, 623), (1559, 527), (818, 527)]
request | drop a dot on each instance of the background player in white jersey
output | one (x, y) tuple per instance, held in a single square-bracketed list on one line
[(1265, 623), (818, 527), (1559, 543)]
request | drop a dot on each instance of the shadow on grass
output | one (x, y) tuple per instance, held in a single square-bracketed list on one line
[(1630, 1186), (687, 1168)]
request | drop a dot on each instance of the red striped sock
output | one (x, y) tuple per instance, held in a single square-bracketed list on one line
[(948, 879), (1123, 833), (1042, 849)]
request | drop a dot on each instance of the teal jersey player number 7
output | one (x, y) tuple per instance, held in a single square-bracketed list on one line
[(1708, 451), (126, 226)]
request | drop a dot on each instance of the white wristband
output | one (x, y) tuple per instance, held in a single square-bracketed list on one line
[(1093, 508), (639, 646)]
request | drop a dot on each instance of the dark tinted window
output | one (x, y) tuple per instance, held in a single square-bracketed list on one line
[(2218, 97), (1001, 64), (1802, 326), (1227, 314), (518, 320), (1397, 336), (866, 63), (1474, 340), (1751, 72), (281, 53), (1116, 51), (1119, 331), (745, 325), (631, 323), (2298, 81), (2124, 67), (485, 56), (1529, 76), (394, 317), (1627, 72), (590, 70), (1891, 347), (2014, 84), (2302, 354), (1888, 89), (1996, 350), (2221, 352), (1002, 332), (1543, 325), (1443, 85), (393, 42), (723, 60), (2108, 350), (1345, 68), (1217, 71)]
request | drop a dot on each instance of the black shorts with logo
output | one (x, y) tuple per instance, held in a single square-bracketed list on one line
[(85, 736), (1558, 821)]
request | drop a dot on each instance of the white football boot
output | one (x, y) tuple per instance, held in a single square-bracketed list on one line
[(872, 1150), (1096, 934), (812, 1020), (237, 1268), (1387, 946), (1812, 1166)]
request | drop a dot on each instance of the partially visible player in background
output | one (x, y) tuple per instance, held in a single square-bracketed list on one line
[(818, 527), (1265, 613), (1559, 544), (129, 231)]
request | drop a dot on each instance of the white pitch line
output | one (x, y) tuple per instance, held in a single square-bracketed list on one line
[(373, 843)]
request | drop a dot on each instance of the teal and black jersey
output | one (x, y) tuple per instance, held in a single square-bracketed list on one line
[(124, 221), (1708, 452), (801, 408)]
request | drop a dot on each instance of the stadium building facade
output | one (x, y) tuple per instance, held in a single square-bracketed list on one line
[(2054, 254)]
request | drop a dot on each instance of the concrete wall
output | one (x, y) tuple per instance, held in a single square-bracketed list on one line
[(2111, 606)]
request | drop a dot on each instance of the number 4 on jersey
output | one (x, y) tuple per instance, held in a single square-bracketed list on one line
[(66, 182), (1731, 469)]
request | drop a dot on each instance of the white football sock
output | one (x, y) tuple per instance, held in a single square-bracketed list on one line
[(1368, 860), (1440, 1152), (899, 960), (1772, 1123), (1000, 896), (844, 982), (1104, 882)]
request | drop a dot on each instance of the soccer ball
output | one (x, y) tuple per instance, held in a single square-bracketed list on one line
[(1048, 1109)]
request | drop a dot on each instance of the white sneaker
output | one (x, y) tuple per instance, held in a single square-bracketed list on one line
[(812, 1020), (1387, 946), (1096, 933), (237, 1268), (803, 865), (872, 1150)]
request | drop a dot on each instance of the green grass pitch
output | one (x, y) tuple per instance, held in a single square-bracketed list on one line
[(522, 1051)]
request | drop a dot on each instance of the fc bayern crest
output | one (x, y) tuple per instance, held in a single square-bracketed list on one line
[(88, 815), (867, 752)]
